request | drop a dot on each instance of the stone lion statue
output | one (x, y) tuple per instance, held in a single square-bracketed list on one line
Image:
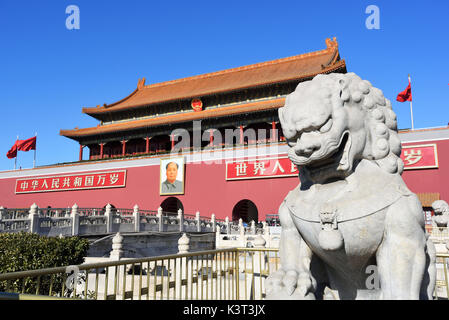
[(351, 221), (441, 210)]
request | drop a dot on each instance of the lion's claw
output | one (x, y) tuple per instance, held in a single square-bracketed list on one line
[(290, 283), (305, 284)]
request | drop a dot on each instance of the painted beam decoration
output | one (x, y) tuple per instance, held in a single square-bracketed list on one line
[(96, 180), (260, 168), (422, 156)]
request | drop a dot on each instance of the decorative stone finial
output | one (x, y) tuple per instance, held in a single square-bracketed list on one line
[(183, 244), (117, 245), (74, 210), (33, 209)]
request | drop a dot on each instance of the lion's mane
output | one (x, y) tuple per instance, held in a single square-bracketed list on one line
[(383, 145)]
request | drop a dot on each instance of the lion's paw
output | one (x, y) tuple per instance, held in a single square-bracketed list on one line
[(289, 285)]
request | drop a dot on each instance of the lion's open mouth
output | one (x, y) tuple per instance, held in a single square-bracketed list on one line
[(335, 159)]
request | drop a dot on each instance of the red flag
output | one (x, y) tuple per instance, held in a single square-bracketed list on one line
[(27, 145), (12, 153), (405, 95)]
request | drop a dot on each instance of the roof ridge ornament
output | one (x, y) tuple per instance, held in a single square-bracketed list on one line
[(140, 84), (331, 43)]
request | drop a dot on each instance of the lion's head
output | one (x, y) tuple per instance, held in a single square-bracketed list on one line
[(441, 210), (334, 121), (440, 207)]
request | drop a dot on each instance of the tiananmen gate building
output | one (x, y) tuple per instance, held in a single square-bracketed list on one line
[(218, 134)]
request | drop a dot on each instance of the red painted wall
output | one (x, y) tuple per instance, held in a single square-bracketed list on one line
[(206, 189), (431, 180)]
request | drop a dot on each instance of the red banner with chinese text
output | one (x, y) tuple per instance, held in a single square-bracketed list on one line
[(97, 180), (414, 157), (260, 168), (422, 156)]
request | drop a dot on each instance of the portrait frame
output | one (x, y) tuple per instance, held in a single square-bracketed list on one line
[(180, 178)]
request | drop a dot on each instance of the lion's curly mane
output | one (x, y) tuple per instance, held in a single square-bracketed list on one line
[(383, 145)]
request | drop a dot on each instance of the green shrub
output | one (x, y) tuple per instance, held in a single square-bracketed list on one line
[(28, 251)]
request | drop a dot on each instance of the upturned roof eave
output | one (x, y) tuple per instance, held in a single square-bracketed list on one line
[(99, 112), (77, 134), (332, 50)]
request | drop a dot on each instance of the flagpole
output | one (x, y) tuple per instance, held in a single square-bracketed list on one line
[(17, 155), (35, 147), (411, 107)]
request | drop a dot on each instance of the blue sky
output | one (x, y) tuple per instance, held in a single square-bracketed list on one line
[(48, 73)]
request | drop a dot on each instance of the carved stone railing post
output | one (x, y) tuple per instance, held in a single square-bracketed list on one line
[(183, 244), (242, 233), (34, 218), (109, 218), (75, 220), (160, 219), (198, 221), (180, 220), (181, 265), (260, 257), (117, 247), (253, 227), (1, 212), (266, 233), (217, 238), (266, 229), (228, 226), (136, 216), (213, 222)]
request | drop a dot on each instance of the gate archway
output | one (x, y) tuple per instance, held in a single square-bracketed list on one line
[(172, 204), (245, 210)]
